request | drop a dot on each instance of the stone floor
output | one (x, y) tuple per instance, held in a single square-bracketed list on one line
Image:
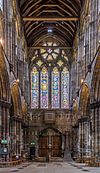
[(55, 167)]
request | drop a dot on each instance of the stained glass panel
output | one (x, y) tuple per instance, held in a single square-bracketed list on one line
[(66, 58), (49, 43), (55, 88), (44, 88), (45, 55), (54, 55), (49, 57), (60, 63), (43, 50), (39, 63), (49, 51), (44, 44), (65, 89), (34, 88), (63, 53), (36, 52), (54, 44), (56, 50), (33, 58)]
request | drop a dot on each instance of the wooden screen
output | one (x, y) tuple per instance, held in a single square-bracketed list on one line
[(56, 146), (43, 146), (55, 150)]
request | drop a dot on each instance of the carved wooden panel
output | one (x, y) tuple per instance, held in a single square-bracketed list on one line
[(56, 146), (54, 150), (43, 146)]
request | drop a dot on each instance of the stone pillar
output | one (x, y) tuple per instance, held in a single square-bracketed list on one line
[(20, 138), (7, 132), (63, 144), (0, 120), (13, 137), (37, 144), (67, 141), (84, 143), (80, 140), (95, 119), (93, 132), (75, 142)]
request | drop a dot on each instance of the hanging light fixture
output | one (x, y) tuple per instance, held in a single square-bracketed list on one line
[(50, 30)]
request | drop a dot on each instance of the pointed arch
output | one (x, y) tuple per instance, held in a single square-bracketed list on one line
[(95, 86), (16, 99), (4, 78), (84, 100)]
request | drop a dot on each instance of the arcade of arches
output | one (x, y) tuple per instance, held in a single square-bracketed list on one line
[(50, 79)]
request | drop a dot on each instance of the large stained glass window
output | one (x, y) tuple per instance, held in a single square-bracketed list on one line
[(34, 88), (44, 88), (50, 62), (65, 89), (55, 88)]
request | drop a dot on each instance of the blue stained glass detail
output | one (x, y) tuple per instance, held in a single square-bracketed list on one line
[(55, 88), (44, 88), (34, 88), (65, 89)]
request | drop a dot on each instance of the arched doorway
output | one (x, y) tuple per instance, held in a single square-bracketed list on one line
[(84, 100), (50, 142), (15, 120), (84, 142)]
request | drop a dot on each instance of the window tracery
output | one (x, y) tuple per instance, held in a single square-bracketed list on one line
[(50, 79)]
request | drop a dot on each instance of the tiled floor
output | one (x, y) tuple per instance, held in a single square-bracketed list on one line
[(56, 167)]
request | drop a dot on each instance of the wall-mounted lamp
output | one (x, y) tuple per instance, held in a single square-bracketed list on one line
[(1, 40), (82, 80), (17, 80)]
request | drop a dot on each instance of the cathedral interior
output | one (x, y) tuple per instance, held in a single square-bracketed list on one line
[(50, 80)]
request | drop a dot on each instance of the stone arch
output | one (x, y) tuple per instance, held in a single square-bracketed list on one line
[(4, 77), (1, 27), (16, 99), (84, 100), (43, 131), (95, 85), (50, 142)]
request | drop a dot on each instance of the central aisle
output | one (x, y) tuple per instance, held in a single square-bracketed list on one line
[(56, 167)]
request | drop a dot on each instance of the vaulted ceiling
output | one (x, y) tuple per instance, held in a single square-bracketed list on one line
[(56, 19)]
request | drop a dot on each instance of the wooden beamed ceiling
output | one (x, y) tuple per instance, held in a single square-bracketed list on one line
[(61, 16)]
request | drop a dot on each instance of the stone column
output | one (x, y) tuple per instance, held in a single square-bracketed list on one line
[(97, 132), (14, 136), (93, 132), (84, 138), (67, 141), (80, 140), (63, 144), (0, 120), (7, 133), (37, 144)]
